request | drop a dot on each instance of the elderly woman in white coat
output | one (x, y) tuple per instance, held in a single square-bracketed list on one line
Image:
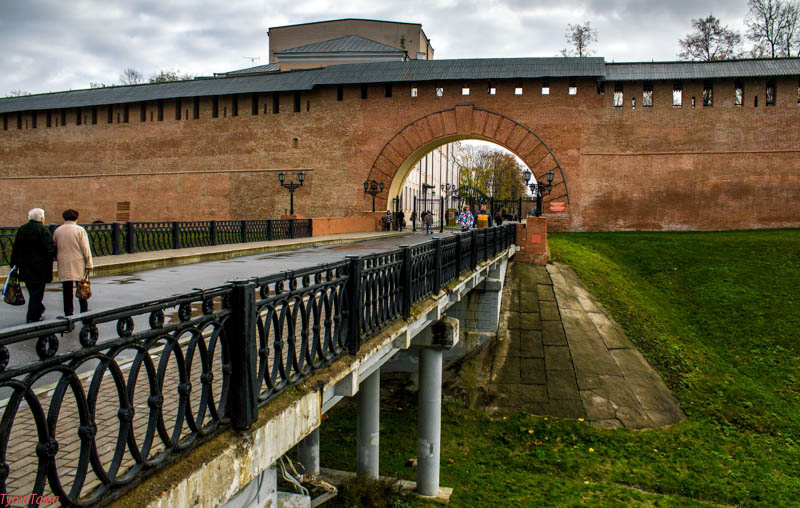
[(74, 258)]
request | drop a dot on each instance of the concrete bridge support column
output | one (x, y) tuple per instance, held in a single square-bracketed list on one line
[(368, 426), (443, 336), (429, 425), (308, 453)]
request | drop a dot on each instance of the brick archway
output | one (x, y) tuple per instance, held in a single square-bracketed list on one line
[(399, 155)]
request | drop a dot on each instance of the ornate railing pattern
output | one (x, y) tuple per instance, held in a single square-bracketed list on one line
[(107, 239), (134, 388)]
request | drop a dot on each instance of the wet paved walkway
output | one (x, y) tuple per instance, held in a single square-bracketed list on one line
[(558, 353)]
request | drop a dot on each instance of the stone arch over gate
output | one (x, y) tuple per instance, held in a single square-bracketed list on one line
[(399, 155)]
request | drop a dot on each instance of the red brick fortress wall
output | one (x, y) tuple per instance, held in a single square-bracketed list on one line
[(714, 167)]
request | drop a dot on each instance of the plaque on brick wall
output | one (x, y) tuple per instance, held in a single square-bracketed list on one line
[(557, 207)]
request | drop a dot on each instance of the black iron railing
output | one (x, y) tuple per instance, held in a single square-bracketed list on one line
[(108, 239), (135, 388)]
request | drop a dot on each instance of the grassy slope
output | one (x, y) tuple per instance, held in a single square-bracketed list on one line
[(718, 315)]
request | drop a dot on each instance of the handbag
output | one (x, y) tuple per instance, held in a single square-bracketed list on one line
[(12, 291), (83, 289)]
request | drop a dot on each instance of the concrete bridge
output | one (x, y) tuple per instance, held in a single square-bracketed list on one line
[(267, 356)]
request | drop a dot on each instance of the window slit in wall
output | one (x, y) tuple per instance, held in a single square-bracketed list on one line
[(297, 102), (5, 121), (677, 95), (647, 95), (388, 91), (78, 116), (755, 101), (276, 103), (178, 109), (694, 102), (708, 94), (160, 109), (224, 111), (143, 112), (94, 116), (19, 121), (196, 108), (633, 102), (464, 89), (518, 90), (308, 106), (49, 119), (254, 104), (492, 89), (573, 87), (339, 93), (151, 116), (618, 95), (363, 91), (64, 117), (771, 93), (414, 91), (738, 93), (439, 91), (215, 107), (235, 105), (545, 87), (33, 120)]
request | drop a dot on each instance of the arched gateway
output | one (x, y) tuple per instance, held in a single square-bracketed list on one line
[(399, 155)]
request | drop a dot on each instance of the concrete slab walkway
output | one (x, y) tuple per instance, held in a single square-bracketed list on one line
[(559, 353)]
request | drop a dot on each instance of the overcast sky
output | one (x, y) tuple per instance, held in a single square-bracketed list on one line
[(53, 45)]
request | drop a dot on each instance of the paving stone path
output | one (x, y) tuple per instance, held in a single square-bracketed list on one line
[(559, 353)]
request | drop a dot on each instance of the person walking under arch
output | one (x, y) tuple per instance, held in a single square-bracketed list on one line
[(465, 219), (32, 255), (74, 258)]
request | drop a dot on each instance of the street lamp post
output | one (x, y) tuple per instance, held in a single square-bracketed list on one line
[(538, 189), (374, 188), (301, 176)]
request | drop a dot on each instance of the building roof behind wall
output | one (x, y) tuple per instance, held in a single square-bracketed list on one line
[(347, 44)]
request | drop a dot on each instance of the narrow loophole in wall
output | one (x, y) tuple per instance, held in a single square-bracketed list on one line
[(295, 142)]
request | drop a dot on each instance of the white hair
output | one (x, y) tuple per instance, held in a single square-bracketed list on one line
[(36, 214)]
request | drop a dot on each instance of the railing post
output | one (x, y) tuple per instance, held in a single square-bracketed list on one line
[(355, 299), (130, 238), (116, 239), (437, 266), (458, 254), (240, 332), (310, 228), (405, 280), (243, 230), (212, 232), (269, 230), (176, 235), (473, 255), (291, 228)]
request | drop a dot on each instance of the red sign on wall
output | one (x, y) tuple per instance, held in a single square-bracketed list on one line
[(536, 238), (558, 207)]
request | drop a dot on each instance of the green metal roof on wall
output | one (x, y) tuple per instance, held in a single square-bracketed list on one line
[(273, 67), (660, 71), (347, 44), (413, 71)]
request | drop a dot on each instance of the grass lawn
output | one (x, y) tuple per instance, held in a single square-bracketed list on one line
[(717, 314)]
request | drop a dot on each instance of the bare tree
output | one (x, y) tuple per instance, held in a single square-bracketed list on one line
[(18, 93), (579, 37), (772, 26), (166, 76), (791, 35), (131, 76), (710, 41)]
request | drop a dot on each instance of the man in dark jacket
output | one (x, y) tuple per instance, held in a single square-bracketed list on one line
[(33, 255)]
